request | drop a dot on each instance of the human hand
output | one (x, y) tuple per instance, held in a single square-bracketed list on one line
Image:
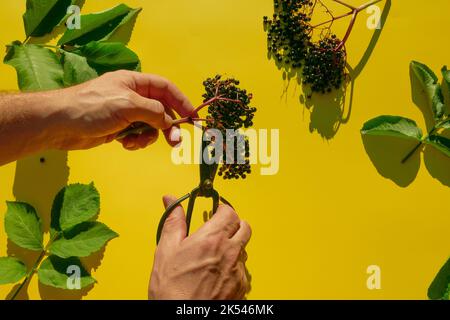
[(93, 113), (209, 264)]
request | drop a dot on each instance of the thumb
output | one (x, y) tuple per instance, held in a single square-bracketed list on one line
[(174, 230)]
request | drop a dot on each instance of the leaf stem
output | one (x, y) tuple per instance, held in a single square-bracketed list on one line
[(411, 153), (36, 264), (29, 274), (354, 13)]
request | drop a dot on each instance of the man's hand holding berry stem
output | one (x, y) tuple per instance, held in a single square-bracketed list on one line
[(91, 114)]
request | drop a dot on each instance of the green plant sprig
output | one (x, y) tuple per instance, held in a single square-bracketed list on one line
[(80, 55), (73, 234), (405, 128)]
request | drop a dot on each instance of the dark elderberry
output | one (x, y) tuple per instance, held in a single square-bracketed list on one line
[(289, 36), (324, 68), (234, 114), (289, 31)]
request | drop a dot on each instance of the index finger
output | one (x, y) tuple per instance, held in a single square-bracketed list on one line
[(161, 89)]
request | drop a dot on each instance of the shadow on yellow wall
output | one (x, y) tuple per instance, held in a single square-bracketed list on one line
[(386, 153), (328, 111)]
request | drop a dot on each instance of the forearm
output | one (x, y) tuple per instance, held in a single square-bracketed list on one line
[(26, 122)]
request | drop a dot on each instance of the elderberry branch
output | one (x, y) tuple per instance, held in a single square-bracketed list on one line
[(345, 4)]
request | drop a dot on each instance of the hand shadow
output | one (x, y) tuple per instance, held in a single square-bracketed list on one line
[(38, 179), (386, 154)]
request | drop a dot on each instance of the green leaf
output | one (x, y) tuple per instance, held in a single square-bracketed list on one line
[(444, 125), (99, 26), (37, 68), (431, 87), (392, 126), (441, 143), (76, 69), (23, 226), (42, 16), (74, 204), (122, 33), (82, 240), (446, 76), (440, 285), (11, 270), (109, 56), (55, 272)]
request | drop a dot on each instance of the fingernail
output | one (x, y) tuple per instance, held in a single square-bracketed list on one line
[(131, 144), (175, 134)]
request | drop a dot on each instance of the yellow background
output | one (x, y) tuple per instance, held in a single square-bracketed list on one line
[(325, 217)]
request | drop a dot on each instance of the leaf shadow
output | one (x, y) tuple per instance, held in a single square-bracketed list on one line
[(50, 293), (93, 262), (26, 256), (22, 295), (386, 154)]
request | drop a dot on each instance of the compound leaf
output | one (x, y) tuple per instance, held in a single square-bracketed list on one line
[(37, 68), (441, 143), (99, 26), (392, 126), (76, 69), (23, 226), (11, 270), (82, 240), (42, 16), (430, 86), (74, 204), (439, 288), (109, 56), (56, 272)]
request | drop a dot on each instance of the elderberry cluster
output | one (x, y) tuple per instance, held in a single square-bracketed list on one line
[(289, 38), (288, 33), (325, 66), (223, 115)]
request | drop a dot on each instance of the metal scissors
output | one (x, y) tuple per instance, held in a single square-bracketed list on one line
[(204, 189)]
